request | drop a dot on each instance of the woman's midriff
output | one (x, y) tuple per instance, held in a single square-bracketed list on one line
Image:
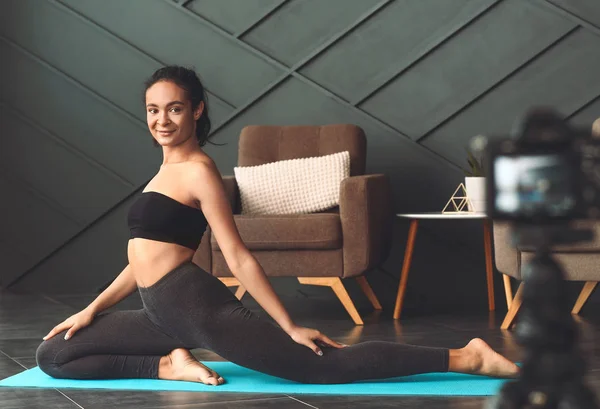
[(150, 260)]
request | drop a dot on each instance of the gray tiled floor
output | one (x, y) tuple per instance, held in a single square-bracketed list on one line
[(24, 319)]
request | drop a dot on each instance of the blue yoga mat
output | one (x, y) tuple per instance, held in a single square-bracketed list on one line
[(239, 379)]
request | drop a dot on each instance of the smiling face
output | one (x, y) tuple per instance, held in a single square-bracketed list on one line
[(169, 113)]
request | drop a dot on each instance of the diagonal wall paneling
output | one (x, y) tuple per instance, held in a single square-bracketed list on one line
[(85, 264), (326, 19), (421, 77), (588, 10), (31, 225), (233, 16), (119, 66), (587, 114), (81, 189), (174, 37), (571, 82), (74, 113), (461, 69), (388, 43), (574, 80), (12, 261)]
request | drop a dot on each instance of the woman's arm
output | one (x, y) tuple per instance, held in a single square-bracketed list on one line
[(120, 288), (252, 276), (208, 189)]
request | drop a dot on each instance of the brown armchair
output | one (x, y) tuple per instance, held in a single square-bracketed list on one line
[(318, 248), (580, 262)]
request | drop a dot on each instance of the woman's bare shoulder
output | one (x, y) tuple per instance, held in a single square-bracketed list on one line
[(199, 166), (203, 172), (201, 161)]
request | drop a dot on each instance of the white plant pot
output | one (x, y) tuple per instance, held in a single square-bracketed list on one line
[(476, 193)]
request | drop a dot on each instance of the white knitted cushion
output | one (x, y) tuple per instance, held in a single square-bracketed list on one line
[(293, 186)]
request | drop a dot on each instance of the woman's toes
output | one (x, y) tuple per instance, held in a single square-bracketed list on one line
[(209, 381), (210, 378)]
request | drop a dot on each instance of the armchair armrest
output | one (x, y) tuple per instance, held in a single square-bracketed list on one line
[(508, 258), (366, 214), (232, 191)]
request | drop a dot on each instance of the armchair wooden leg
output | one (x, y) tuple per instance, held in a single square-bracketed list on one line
[(507, 290), (239, 293), (585, 293), (338, 288), (515, 305), (233, 282), (366, 288)]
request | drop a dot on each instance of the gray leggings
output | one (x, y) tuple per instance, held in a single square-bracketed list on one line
[(189, 308)]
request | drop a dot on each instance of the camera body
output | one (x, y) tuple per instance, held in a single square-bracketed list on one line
[(549, 172), (546, 176)]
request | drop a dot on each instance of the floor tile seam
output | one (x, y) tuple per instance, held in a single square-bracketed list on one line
[(301, 401), (201, 404), (54, 389)]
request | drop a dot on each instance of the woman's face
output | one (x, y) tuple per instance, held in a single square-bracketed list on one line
[(169, 114)]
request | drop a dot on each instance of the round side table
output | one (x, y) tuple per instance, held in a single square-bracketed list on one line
[(412, 233)]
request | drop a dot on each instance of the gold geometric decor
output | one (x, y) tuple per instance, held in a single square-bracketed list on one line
[(459, 202)]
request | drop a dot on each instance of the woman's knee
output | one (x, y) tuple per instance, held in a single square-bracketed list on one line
[(46, 355)]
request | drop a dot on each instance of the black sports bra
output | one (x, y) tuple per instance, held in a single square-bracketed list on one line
[(159, 217)]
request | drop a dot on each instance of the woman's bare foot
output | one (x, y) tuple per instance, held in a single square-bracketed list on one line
[(480, 359), (180, 365)]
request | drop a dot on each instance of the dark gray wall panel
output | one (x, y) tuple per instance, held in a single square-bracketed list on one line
[(116, 73), (69, 111), (588, 10), (217, 59), (79, 186), (587, 115), (233, 15), (108, 73), (388, 43), (30, 223), (565, 77), (12, 261), (83, 265), (478, 57), (325, 19), (297, 103)]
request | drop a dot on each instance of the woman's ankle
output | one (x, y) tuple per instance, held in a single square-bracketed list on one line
[(462, 360), (165, 367)]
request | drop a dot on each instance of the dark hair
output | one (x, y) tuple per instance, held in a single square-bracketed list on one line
[(188, 80)]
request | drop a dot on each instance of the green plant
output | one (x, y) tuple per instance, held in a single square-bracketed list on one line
[(476, 165)]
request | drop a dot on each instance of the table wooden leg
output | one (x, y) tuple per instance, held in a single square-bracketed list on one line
[(412, 233), (489, 269)]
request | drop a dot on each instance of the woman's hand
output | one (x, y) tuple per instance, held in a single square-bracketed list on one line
[(74, 323), (308, 337)]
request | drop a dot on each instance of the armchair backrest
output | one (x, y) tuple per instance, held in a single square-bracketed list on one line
[(260, 144)]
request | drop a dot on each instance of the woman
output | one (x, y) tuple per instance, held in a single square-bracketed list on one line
[(186, 307)]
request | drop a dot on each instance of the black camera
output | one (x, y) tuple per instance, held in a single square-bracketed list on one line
[(540, 180), (549, 171)]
